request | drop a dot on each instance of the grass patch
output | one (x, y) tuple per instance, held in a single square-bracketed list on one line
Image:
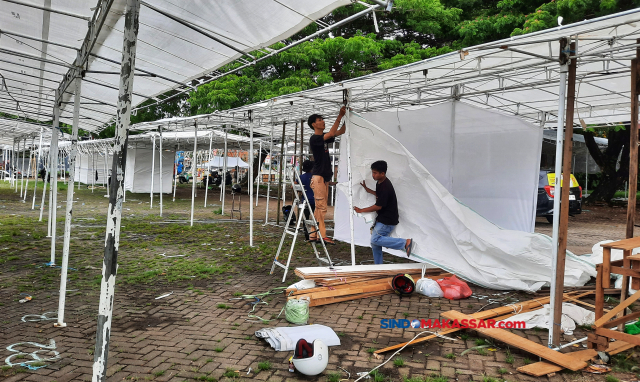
[(230, 373), (377, 376), (527, 361), (223, 306), (266, 365), (464, 337), (398, 362), (334, 377), (158, 373), (509, 358), (502, 371), (611, 378), (371, 350), (218, 349), (450, 356)]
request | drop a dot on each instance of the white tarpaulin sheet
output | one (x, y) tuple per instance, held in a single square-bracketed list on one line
[(487, 160), (87, 165), (218, 162), (448, 234), (138, 173)]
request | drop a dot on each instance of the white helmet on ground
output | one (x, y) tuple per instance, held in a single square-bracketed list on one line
[(310, 359)]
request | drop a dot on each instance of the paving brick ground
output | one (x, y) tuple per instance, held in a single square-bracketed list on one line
[(191, 336)]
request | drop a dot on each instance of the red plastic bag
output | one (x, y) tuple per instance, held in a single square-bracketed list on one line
[(454, 288)]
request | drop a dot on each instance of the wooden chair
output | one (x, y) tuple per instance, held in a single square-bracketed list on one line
[(628, 267)]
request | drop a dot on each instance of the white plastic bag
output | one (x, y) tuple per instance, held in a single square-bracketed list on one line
[(428, 287)]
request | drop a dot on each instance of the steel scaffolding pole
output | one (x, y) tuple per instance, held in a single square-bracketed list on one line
[(194, 169), (206, 188), (35, 180), (54, 180), (153, 171), (266, 212), (67, 221), (112, 239), (251, 179), (224, 169), (160, 176), (562, 87)]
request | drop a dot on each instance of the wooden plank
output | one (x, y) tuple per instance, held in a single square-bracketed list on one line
[(346, 291), (521, 343), (332, 300), (606, 267), (582, 303), (498, 313), (623, 244), (543, 368), (625, 272), (599, 310), (617, 309), (621, 320), (565, 186), (635, 340)]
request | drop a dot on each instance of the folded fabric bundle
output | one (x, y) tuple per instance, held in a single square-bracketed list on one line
[(285, 338), (572, 315)]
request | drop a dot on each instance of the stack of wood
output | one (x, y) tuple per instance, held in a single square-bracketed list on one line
[(356, 282)]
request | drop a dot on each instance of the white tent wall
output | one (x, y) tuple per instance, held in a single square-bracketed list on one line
[(489, 161), (448, 234), (86, 168), (138, 172)]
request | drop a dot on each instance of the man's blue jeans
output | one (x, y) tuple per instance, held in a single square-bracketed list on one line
[(380, 238)]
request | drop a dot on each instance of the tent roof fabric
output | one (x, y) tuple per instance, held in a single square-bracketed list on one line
[(517, 76), (177, 44)]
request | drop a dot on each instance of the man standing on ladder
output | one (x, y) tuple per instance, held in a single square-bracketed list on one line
[(387, 208), (322, 171)]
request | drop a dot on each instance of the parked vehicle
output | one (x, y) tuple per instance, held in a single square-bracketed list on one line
[(546, 195)]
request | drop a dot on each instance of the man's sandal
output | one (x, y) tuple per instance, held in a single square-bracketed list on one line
[(409, 248)]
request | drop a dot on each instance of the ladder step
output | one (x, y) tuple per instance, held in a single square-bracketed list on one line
[(298, 187), (291, 233), (310, 223), (276, 262)]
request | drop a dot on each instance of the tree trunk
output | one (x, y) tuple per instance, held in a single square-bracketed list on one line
[(612, 179)]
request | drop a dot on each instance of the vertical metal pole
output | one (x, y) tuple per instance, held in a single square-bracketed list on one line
[(16, 166), (54, 178), (266, 214), (557, 194), (153, 171), (12, 167), (251, 155), (258, 177), (112, 240), (175, 171), (633, 149), (284, 125), (224, 177), (206, 188), (67, 221), (349, 173), (26, 186), (44, 190), (194, 168), (565, 185), (24, 150), (333, 168), (301, 143), (160, 176), (106, 170)]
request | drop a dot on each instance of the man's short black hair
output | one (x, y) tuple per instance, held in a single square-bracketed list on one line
[(312, 119), (307, 166), (379, 166)]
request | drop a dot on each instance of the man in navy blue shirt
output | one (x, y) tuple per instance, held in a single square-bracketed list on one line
[(305, 178), (387, 208)]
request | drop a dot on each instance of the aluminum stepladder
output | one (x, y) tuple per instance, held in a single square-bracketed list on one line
[(310, 224)]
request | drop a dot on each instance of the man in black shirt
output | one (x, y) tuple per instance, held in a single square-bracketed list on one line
[(322, 167), (387, 208)]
